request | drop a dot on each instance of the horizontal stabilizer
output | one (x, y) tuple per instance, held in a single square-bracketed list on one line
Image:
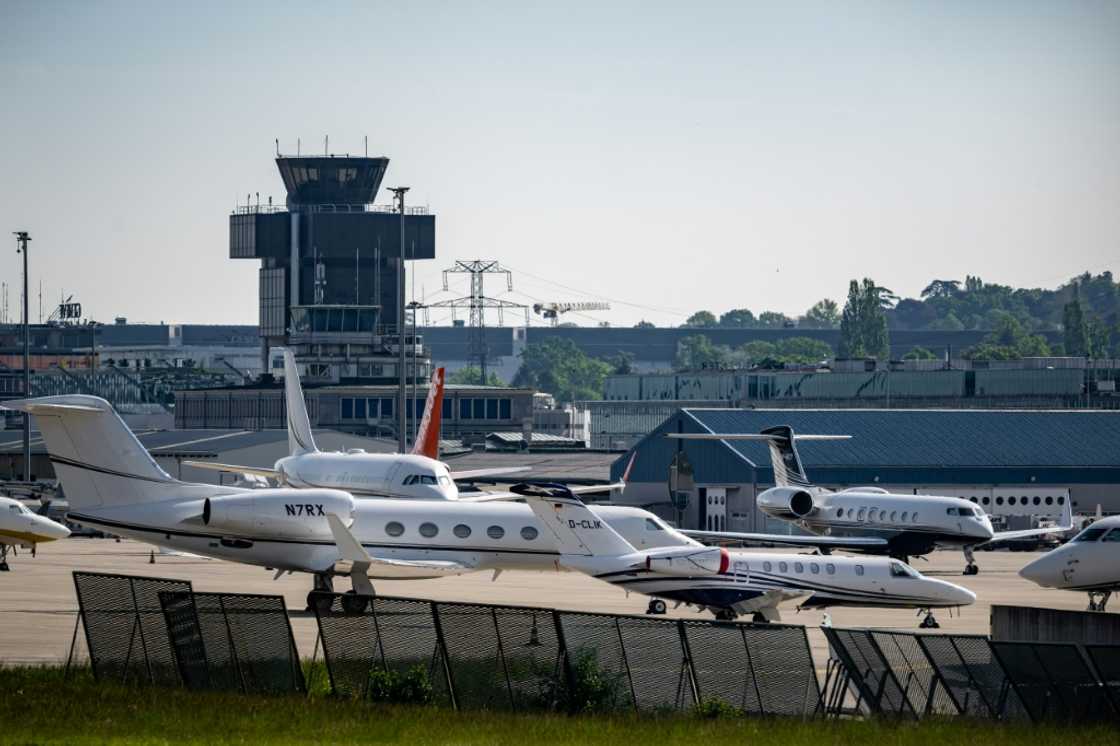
[(865, 543), (751, 436), (256, 471), (583, 489), (1027, 533), (37, 406)]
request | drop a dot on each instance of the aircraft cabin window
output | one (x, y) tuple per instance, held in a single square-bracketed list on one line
[(1090, 534), (815, 568), (904, 514), (859, 569), (767, 566), (839, 512), (871, 515), (1113, 535), (529, 533), (463, 531), (393, 528), (495, 532), (914, 518), (428, 530), (798, 568), (859, 517), (830, 568), (651, 525), (783, 567), (894, 514)]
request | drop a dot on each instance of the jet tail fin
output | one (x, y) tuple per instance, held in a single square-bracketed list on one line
[(783, 451), (577, 530), (300, 440), (427, 434)]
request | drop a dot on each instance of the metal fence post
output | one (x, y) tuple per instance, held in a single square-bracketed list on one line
[(140, 626), (563, 659), (626, 663), (73, 643), (441, 646), (232, 645), (750, 670), (694, 684), (502, 656)]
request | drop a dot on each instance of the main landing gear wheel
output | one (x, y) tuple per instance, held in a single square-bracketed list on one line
[(320, 601), (759, 618), (354, 603), (726, 615), (971, 568), (656, 606), (1098, 599)]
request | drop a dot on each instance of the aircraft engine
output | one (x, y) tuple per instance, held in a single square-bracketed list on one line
[(298, 514), (787, 502), (689, 561)]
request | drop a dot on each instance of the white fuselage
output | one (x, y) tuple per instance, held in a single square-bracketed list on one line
[(1088, 562), (362, 474), (912, 524), (832, 581), (483, 536), (20, 527)]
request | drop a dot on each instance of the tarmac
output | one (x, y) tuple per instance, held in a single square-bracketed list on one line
[(38, 608)]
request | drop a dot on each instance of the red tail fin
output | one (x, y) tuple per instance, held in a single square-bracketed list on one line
[(427, 435)]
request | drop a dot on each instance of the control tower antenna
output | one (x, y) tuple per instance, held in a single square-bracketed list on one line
[(478, 302)]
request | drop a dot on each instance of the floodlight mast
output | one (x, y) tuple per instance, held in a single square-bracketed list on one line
[(22, 239), (402, 423)]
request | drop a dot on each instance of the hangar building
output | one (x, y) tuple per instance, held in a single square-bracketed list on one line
[(1014, 464)]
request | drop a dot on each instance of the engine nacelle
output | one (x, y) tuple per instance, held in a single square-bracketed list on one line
[(292, 513), (787, 502), (689, 561)]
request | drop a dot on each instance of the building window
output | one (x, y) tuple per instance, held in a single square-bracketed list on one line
[(386, 408), (505, 409), (479, 407), (446, 409), (464, 409), (360, 409), (347, 408), (463, 531), (491, 409)]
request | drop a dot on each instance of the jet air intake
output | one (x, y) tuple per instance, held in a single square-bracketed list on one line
[(289, 513), (787, 502)]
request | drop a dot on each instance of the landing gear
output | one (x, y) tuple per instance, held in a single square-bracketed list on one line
[(928, 622), (726, 615), (759, 618), (354, 603), (1098, 599), (656, 606), (318, 597), (4, 558), (971, 568)]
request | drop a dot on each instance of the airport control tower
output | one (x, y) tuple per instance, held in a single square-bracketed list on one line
[(329, 263)]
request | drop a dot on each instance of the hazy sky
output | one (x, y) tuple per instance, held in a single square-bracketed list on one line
[(668, 157)]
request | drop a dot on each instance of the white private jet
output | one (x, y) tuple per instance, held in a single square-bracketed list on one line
[(863, 519), (20, 527), (112, 483), (729, 583), (416, 475), (1089, 563)]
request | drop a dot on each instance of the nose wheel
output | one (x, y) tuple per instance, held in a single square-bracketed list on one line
[(4, 558), (1098, 599), (971, 568), (656, 606), (928, 621)]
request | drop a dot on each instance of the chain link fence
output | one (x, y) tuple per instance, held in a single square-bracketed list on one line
[(478, 656), (913, 675)]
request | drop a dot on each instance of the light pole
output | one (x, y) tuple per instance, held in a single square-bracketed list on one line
[(402, 423), (22, 239), (414, 306)]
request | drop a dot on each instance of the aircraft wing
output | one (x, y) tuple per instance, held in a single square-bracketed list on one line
[(351, 550), (494, 472), (857, 543), (257, 471), (1026, 533), (583, 489)]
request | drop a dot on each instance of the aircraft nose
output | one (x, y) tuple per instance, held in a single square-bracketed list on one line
[(51, 529), (1044, 571)]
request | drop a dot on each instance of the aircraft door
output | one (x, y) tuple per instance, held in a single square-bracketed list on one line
[(741, 569)]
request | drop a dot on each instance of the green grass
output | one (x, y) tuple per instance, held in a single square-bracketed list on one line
[(38, 706)]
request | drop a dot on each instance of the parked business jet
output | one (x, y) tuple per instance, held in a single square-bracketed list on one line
[(113, 484), (417, 475), (1090, 563), (863, 519), (20, 527), (729, 583)]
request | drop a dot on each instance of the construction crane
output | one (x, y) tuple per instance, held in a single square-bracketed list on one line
[(553, 311)]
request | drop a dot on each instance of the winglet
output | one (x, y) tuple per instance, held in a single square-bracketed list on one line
[(300, 440), (348, 547), (427, 434)]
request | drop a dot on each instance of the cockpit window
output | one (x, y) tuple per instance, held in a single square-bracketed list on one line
[(1090, 534), (419, 479), (899, 570), (1113, 535), (445, 480), (962, 511), (427, 479), (652, 525)]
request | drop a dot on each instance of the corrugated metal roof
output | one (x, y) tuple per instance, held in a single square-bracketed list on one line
[(925, 445), (517, 437), (944, 438)]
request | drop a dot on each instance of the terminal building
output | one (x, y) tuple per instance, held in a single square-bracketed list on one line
[(1014, 464)]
